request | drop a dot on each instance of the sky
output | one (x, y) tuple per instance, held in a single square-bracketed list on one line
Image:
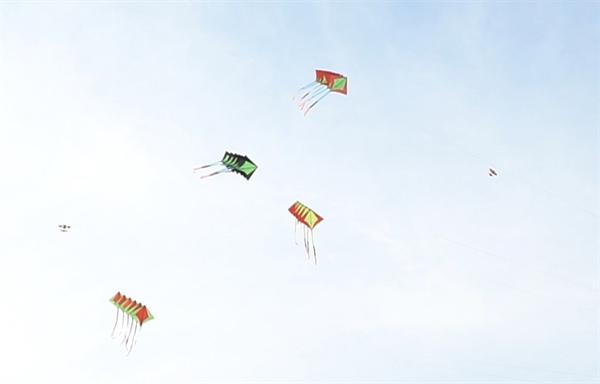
[(428, 269)]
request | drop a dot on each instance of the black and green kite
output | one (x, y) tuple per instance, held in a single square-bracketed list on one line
[(232, 163)]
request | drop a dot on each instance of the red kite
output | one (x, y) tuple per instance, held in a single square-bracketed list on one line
[(136, 314), (324, 83)]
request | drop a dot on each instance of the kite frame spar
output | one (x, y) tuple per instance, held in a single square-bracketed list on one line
[(325, 83), (232, 162), (310, 219)]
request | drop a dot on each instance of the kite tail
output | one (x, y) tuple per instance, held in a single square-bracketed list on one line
[(122, 324), (138, 335), (315, 103), (313, 95), (306, 244), (309, 85), (295, 226), (314, 91), (312, 238), (112, 335), (207, 166), (318, 92), (131, 345), (129, 333), (126, 335), (224, 170), (135, 339), (306, 94)]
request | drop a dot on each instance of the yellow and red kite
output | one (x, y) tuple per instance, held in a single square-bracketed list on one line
[(309, 219)]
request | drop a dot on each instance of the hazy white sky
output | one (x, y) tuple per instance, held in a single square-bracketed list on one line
[(429, 270)]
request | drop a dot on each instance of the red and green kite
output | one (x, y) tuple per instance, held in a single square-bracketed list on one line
[(136, 314), (309, 219), (324, 83)]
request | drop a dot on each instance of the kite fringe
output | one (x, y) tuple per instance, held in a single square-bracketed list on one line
[(313, 92), (319, 92), (319, 95), (132, 339), (295, 226), (112, 337), (309, 242), (208, 165), (224, 170), (125, 335), (315, 103), (306, 247), (307, 86), (312, 238)]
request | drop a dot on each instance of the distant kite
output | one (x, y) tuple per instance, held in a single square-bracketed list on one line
[(64, 227), (324, 83), (309, 219), (233, 163), (136, 314), (492, 173)]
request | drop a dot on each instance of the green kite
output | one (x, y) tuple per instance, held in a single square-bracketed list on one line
[(232, 163)]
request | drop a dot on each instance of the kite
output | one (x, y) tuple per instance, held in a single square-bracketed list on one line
[(492, 173), (310, 219), (136, 314), (64, 227), (232, 163), (324, 83)]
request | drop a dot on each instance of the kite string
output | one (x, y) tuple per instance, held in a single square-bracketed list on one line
[(506, 259), (514, 175), (479, 363), (480, 373), (588, 311)]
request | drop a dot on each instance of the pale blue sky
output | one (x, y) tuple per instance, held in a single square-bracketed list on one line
[(429, 270)]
